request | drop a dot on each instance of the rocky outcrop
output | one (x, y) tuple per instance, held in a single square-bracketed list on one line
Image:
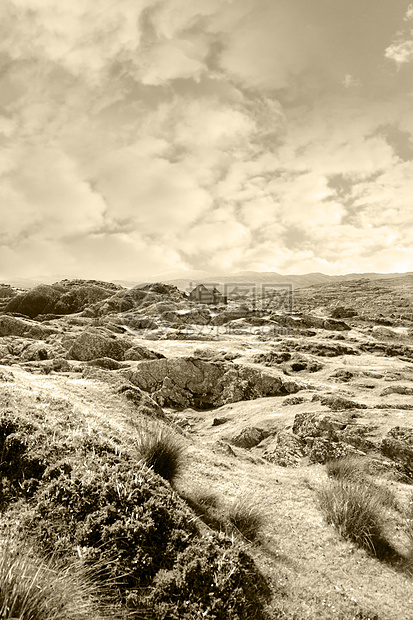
[(310, 321), (13, 326), (190, 382), (39, 300), (93, 344), (56, 299), (321, 450)]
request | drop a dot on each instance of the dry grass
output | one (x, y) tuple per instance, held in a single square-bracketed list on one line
[(31, 589)]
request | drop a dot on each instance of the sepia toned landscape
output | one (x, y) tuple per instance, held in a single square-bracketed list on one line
[(179, 459)]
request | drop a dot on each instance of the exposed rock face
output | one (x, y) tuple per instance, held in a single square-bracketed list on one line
[(144, 403), (306, 321), (80, 297), (398, 445), (190, 382), (13, 326), (93, 344)]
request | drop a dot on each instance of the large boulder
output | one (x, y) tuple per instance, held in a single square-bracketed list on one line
[(322, 450), (93, 344), (190, 382)]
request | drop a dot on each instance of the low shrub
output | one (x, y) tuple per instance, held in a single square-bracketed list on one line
[(148, 536), (161, 450), (356, 510)]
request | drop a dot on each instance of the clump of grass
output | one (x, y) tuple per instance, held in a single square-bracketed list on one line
[(245, 517), (161, 450), (357, 470), (356, 511), (31, 589), (347, 468)]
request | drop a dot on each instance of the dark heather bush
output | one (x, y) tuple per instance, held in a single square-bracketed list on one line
[(131, 517)]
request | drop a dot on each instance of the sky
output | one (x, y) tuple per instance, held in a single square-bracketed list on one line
[(145, 136)]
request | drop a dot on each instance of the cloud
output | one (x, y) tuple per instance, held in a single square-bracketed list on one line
[(401, 51), (144, 135)]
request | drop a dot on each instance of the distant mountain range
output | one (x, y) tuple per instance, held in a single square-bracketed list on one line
[(186, 280), (263, 277)]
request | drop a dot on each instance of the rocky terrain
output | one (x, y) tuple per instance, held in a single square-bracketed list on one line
[(262, 395)]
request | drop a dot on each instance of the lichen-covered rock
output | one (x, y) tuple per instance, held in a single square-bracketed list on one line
[(318, 425), (323, 450), (191, 382), (93, 344), (39, 300), (398, 445), (284, 449)]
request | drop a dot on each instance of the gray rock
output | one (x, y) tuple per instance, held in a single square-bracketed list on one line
[(318, 425), (337, 402), (248, 437), (93, 344), (138, 352), (39, 300)]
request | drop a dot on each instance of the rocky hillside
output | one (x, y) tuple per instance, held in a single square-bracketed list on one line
[(263, 399)]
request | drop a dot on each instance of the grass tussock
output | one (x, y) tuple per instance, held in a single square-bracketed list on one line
[(350, 468), (161, 450), (356, 510), (245, 517), (31, 589)]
